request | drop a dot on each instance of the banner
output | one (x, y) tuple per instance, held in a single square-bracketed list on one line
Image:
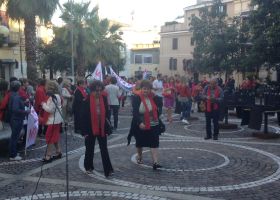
[(97, 74), (122, 83), (32, 128)]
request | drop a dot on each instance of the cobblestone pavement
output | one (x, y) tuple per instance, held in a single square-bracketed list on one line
[(237, 166)]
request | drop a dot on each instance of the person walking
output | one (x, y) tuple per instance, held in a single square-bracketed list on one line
[(158, 90), (169, 97), (95, 126), (114, 93), (213, 96), (53, 109), (145, 125), (18, 112), (184, 98), (80, 95)]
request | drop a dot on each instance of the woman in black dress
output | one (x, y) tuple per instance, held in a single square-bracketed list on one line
[(80, 95), (145, 123), (94, 126)]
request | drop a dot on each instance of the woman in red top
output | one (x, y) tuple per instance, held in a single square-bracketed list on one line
[(169, 97), (184, 97)]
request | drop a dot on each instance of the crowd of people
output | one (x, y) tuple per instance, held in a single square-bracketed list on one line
[(90, 105)]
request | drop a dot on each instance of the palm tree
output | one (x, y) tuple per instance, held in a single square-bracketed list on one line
[(94, 39), (78, 16), (28, 10)]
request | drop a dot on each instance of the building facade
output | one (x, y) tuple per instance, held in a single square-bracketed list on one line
[(12, 50), (176, 41), (144, 57)]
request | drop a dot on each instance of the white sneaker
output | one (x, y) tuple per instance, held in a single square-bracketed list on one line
[(185, 121), (17, 158)]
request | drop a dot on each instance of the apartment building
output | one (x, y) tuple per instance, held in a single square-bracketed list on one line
[(12, 51), (144, 57), (176, 38)]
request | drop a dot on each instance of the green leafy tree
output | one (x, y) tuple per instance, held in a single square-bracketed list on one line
[(53, 58), (264, 23), (28, 10), (216, 40)]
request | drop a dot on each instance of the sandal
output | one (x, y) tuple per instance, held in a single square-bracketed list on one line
[(57, 156), (47, 159), (139, 160)]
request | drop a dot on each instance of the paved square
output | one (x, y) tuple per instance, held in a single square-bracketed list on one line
[(237, 166)]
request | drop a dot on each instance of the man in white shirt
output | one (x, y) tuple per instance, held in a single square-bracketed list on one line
[(158, 89), (114, 93)]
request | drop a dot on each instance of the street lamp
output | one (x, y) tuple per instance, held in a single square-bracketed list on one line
[(72, 41)]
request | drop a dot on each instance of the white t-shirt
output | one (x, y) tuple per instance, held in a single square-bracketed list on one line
[(158, 87), (114, 93)]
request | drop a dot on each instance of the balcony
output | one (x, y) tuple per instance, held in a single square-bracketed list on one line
[(11, 41), (174, 28)]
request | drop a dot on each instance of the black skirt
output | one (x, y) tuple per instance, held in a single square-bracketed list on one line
[(148, 138)]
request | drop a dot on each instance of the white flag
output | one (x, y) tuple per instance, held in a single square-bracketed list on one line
[(97, 74), (32, 128), (122, 83)]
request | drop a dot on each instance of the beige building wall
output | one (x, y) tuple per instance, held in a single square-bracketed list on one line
[(184, 35), (184, 51)]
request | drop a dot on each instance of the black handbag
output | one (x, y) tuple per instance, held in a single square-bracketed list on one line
[(161, 126), (108, 127)]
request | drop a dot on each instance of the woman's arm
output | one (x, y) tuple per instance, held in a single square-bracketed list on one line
[(136, 101), (49, 106)]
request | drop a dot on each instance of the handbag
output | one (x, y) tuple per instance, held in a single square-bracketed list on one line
[(202, 106), (161, 126), (108, 127)]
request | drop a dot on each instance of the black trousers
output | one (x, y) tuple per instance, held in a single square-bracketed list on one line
[(89, 154), (212, 116), (159, 103), (115, 110)]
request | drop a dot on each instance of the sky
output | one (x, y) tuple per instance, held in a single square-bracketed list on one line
[(141, 13)]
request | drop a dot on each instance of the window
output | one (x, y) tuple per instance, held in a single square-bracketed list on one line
[(138, 59), (175, 64), (172, 64), (148, 59), (192, 41), (175, 43), (143, 59), (222, 9)]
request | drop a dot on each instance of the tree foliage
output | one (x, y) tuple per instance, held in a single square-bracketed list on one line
[(94, 39), (264, 23), (216, 40)]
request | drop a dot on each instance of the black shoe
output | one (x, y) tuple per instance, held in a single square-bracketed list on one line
[(207, 138), (215, 137), (156, 166), (46, 161), (109, 174), (58, 156)]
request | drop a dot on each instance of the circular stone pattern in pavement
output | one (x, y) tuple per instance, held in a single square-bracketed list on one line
[(185, 160), (246, 171), (200, 128), (95, 194)]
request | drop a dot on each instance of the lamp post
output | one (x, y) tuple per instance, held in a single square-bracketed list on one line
[(72, 41)]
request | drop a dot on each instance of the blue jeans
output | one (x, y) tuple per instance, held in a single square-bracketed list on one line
[(16, 126), (186, 109)]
